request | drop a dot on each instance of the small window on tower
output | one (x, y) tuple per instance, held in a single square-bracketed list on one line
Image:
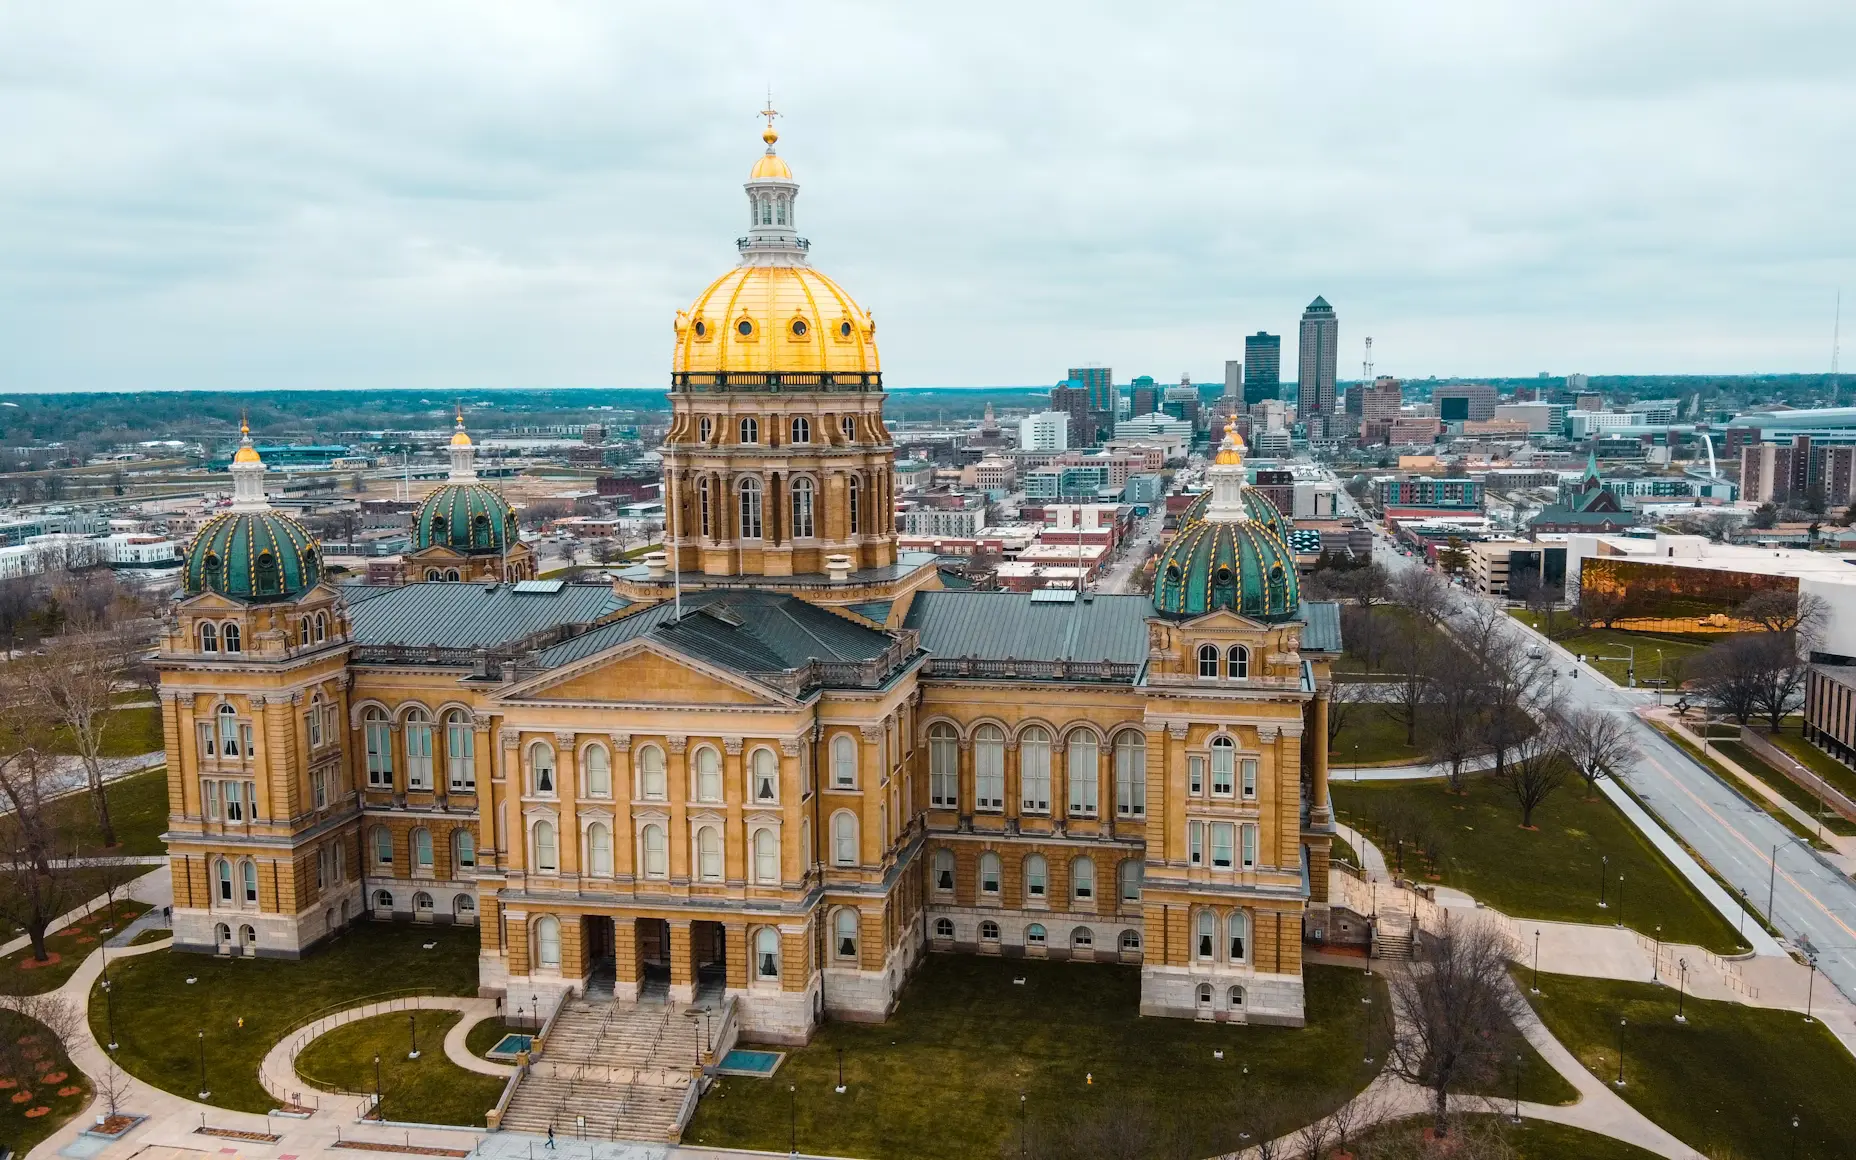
[(702, 329), (844, 330), (744, 328), (799, 328)]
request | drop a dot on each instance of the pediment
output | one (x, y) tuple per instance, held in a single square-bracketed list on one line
[(210, 601), (1223, 620), (644, 671)]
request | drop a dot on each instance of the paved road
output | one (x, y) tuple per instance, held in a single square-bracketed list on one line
[(1812, 904), (1119, 575)]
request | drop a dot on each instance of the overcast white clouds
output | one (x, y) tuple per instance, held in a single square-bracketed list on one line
[(455, 195)]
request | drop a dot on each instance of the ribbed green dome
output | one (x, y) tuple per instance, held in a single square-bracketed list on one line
[(1240, 565), (465, 517), (1260, 507), (252, 555)]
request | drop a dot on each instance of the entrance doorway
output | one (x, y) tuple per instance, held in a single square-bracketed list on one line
[(653, 958), (709, 956), (597, 936)]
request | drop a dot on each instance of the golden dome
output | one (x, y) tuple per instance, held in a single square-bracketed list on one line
[(769, 318), (246, 452), (770, 165), (1231, 451), (460, 439)]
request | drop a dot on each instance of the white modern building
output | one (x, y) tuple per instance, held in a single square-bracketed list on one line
[(1045, 431)]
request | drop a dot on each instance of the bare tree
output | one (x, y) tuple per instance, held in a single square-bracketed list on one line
[(1538, 765), (1802, 613), (1313, 1138), (1597, 742), (1354, 1117), (113, 1087), (1457, 705), (1449, 1009), (1423, 593), (1782, 667), (1599, 606), (74, 685), (1413, 652), (1731, 676), (1367, 588), (1344, 701), (1516, 685)]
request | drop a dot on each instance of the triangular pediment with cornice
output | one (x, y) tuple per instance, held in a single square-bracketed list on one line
[(643, 671)]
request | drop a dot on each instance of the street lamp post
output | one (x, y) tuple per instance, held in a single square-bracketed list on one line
[(1810, 987), (204, 1093), (1656, 960), (1620, 902), (109, 1008), (412, 1030), (1793, 1150), (1772, 882), (1536, 986), (792, 1119), (1620, 1079), (377, 1114), (1517, 1087), (1681, 989), (1604, 875), (840, 1071), (1021, 1125)]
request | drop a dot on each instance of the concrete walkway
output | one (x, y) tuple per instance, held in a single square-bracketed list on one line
[(278, 1072)]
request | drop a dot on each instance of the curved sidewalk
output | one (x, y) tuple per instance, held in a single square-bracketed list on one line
[(278, 1071)]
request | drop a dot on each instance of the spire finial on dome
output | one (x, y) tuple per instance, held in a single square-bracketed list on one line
[(1228, 480), (768, 135)]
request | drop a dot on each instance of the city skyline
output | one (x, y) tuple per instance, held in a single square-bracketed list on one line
[(387, 199)]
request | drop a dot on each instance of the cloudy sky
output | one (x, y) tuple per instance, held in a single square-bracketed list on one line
[(458, 195)]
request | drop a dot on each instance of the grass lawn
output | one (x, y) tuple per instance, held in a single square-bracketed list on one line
[(1530, 1139), (159, 1015), (1806, 834), (1387, 620), (427, 1090), (1817, 761), (138, 809), (20, 974), (487, 1034), (1551, 872), (1340, 851), (126, 733), (1727, 1082), (42, 1088), (1615, 642), (1798, 795), (1370, 736), (942, 1077)]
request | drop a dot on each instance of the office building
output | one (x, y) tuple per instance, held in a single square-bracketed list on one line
[(1317, 360), (1233, 380), (1045, 431), (1099, 387), (1144, 397), (1461, 402), (1072, 398), (1182, 402), (1262, 367)]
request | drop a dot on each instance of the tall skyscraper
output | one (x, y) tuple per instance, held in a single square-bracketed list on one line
[(1233, 379), (1099, 382), (1317, 360), (1144, 395), (1262, 367), (1072, 398)]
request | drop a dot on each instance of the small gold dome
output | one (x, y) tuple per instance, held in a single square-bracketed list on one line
[(459, 438), (775, 318), (770, 164), (246, 452), (1231, 451)]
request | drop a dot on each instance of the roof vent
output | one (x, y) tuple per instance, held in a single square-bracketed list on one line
[(1053, 596), (538, 587)]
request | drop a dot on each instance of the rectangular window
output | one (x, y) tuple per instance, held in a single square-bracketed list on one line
[(379, 739), (989, 776), (209, 800), (1195, 843), (1221, 845), (313, 719), (235, 805), (330, 722), (943, 771), (244, 736), (1248, 770), (418, 757), (319, 786), (461, 757), (1034, 772), (1195, 775), (1250, 846), (208, 746)]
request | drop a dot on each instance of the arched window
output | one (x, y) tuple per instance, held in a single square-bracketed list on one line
[(228, 732), (802, 509), (846, 923), (651, 773), (943, 765), (599, 849), (463, 849), (702, 502), (989, 767), (848, 424), (764, 775), (1205, 996), (322, 627), (767, 953), (1131, 940), (1037, 877), (383, 900), (1034, 935), (547, 848), (989, 873), (460, 752), (422, 905), (248, 871), (705, 426), (1082, 939), (708, 775), (223, 871), (656, 855), (596, 767), (709, 854), (377, 735), (844, 838), (944, 869), (1237, 663), (222, 934), (1129, 876), (766, 858), (1207, 936), (1080, 770), (1130, 774), (433, 574), (1083, 880), (383, 846), (464, 908), (1224, 766), (421, 850), (541, 766), (856, 502), (1034, 769), (264, 572), (802, 430), (548, 941), (989, 931), (750, 430), (1208, 660), (1238, 931), (209, 637), (418, 749), (750, 509), (1235, 998), (843, 762), (230, 639), (944, 928)]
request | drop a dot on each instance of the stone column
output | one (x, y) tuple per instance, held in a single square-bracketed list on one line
[(511, 854), (677, 788), (682, 968), (626, 974), (566, 788), (1320, 810), (870, 775), (736, 952), (736, 794), (623, 831)]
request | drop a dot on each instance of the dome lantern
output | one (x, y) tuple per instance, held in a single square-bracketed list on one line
[(771, 240), (463, 455), (247, 474)]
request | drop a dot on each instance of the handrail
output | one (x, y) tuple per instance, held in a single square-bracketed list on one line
[(363, 1001)]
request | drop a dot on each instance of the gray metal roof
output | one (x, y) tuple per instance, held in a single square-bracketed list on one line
[(1012, 625), (745, 630), (453, 615), (1322, 633)]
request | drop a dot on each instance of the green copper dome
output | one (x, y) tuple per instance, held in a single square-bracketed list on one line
[(252, 555), (1260, 508), (465, 517), (1239, 564)]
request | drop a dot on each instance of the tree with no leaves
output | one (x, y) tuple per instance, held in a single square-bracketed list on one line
[(1778, 611), (1538, 764), (1457, 704), (1598, 743), (36, 883), (1597, 605), (1448, 1010), (1414, 653), (1742, 675), (1423, 593)]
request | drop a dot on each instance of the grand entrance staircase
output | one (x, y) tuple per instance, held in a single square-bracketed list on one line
[(626, 1067)]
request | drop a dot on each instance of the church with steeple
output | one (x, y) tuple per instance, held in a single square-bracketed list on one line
[(769, 767)]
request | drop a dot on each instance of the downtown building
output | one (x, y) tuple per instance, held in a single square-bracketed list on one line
[(1318, 357)]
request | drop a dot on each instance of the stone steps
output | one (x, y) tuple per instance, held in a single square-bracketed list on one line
[(612, 1111)]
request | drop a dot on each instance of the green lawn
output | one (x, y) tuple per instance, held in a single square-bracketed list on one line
[(427, 1090), (43, 1089), (1798, 795), (1615, 642), (126, 733), (1340, 851), (1817, 761), (1540, 1084), (487, 1034), (1370, 736), (943, 1076), (138, 809), (1727, 1082), (1550, 872), (158, 1014), (20, 974), (1530, 1140)]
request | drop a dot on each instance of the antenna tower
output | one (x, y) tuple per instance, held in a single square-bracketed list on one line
[(1836, 343), (1366, 366)]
